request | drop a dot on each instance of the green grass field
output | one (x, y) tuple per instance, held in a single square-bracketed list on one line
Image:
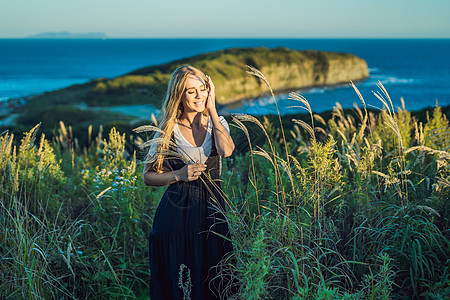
[(354, 206)]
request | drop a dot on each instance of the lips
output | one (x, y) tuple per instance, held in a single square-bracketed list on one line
[(200, 103)]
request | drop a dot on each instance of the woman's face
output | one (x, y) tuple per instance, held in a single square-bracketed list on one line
[(195, 94)]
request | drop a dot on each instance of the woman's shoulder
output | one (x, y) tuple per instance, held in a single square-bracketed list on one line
[(224, 123)]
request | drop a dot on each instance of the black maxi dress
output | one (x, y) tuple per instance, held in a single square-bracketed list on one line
[(186, 239)]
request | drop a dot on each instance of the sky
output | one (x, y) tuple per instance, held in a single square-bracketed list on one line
[(229, 18)]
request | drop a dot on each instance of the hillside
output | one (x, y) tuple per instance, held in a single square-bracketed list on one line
[(285, 69)]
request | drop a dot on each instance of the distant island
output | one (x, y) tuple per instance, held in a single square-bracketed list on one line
[(68, 35)]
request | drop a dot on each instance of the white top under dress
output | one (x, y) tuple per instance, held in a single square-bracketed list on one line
[(191, 153)]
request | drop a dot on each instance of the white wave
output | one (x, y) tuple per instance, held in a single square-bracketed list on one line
[(385, 79), (316, 91)]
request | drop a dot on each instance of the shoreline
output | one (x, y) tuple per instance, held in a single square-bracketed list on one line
[(143, 112)]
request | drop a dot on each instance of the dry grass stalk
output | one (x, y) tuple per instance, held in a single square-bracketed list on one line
[(255, 72), (307, 127), (241, 126)]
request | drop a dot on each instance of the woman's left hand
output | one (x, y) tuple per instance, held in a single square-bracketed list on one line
[(211, 102)]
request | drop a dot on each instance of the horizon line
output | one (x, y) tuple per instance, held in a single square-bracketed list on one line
[(226, 37)]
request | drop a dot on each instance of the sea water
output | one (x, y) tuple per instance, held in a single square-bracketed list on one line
[(416, 69)]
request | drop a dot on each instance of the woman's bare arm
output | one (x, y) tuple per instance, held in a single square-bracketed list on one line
[(186, 173), (223, 141)]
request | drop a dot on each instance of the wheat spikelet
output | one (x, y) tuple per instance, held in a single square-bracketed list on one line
[(350, 121), (305, 126), (391, 123), (352, 142), (147, 128), (103, 192), (241, 126), (300, 98), (350, 158), (358, 112), (286, 169), (89, 133), (293, 133), (5, 132), (153, 118), (5, 145), (63, 129), (363, 128), (339, 110), (28, 141), (155, 141), (382, 101), (321, 130), (263, 153), (386, 94), (344, 138), (358, 93), (403, 103), (250, 118), (443, 181), (319, 119), (173, 154), (41, 153), (381, 174), (363, 119), (443, 154), (257, 73), (405, 172)]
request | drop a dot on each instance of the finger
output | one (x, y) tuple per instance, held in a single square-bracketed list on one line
[(199, 168), (195, 177), (210, 81), (198, 164)]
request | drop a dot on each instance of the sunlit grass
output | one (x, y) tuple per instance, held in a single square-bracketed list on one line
[(352, 207)]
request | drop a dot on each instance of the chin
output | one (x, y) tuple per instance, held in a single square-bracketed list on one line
[(199, 108)]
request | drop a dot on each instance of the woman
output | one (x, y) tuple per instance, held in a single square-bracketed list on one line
[(187, 237)]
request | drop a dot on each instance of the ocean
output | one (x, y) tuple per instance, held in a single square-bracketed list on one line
[(416, 69)]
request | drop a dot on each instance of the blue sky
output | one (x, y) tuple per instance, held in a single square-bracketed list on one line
[(229, 18)]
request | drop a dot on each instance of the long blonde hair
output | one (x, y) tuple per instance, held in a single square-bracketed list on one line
[(172, 109)]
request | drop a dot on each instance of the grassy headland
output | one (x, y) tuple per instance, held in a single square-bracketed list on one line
[(286, 69)]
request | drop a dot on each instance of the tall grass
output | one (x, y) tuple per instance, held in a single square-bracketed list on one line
[(352, 207), (72, 222), (356, 195)]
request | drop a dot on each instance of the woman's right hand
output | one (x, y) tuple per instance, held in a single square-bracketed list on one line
[(191, 172)]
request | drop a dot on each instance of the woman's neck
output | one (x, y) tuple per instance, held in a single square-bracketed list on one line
[(193, 118)]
